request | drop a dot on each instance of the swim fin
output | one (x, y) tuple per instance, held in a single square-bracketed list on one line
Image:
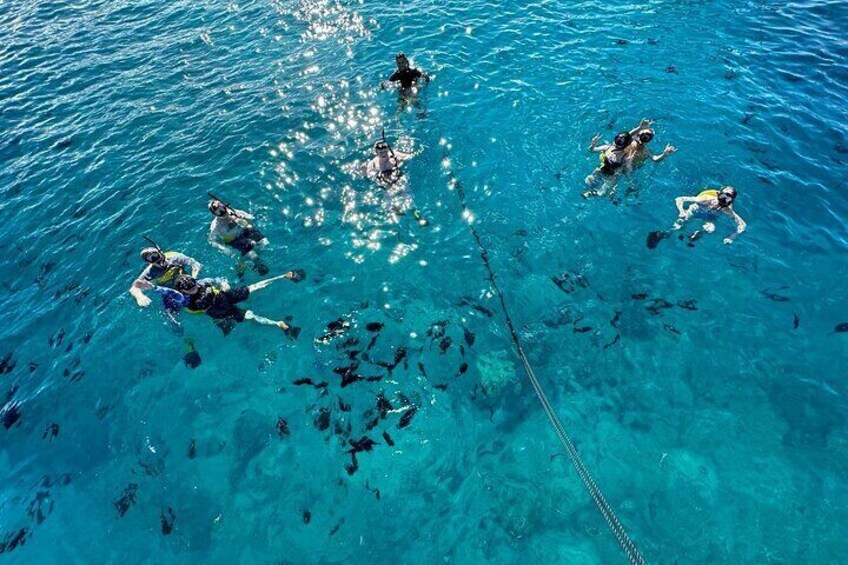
[(192, 357), (297, 275), (259, 267), (655, 237), (293, 332)]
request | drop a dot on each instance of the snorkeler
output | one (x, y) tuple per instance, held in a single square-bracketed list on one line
[(708, 206), (217, 300), (232, 228), (613, 159), (163, 267), (406, 75), (638, 151), (384, 167)]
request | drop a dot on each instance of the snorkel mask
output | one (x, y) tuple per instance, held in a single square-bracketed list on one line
[(726, 196), (218, 208), (645, 136), (622, 140), (153, 256)]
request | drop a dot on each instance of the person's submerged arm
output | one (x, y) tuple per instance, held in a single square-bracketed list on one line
[(740, 225)]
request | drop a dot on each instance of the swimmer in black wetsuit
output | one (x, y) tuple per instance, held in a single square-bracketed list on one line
[(613, 159), (218, 301), (407, 76)]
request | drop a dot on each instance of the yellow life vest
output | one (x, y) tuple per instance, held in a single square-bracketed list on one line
[(170, 273)]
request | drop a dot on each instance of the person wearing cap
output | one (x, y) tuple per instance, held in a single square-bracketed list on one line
[(231, 229), (217, 300), (709, 206), (406, 75), (163, 267)]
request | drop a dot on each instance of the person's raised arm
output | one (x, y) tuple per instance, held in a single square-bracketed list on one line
[(645, 123), (669, 149)]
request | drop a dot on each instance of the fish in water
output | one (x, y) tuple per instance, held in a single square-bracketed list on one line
[(615, 320), (690, 304), (841, 327), (655, 237), (671, 328), (126, 500), (421, 368), (50, 431), (388, 439), (167, 518), (774, 296), (613, 342), (7, 365), (10, 415), (192, 449), (383, 405), (406, 419), (445, 344), (351, 469), (307, 516), (796, 321), (364, 443), (462, 369), (343, 406), (283, 427), (639, 296), (322, 420), (334, 329), (374, 327), (469, 336), (581, 329), (337, 526), (440, 387), (656, 305), (349, 378), (14, 540), (571, 281)]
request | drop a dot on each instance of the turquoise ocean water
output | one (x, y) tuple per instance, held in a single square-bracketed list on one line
[(705, 387)]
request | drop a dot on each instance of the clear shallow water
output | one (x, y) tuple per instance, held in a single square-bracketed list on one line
[(725, 442)]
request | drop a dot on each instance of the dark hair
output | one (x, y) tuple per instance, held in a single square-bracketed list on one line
[(184, 282), (623, 139)]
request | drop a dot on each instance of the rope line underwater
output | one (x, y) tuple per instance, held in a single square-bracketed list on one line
[(583, 473)]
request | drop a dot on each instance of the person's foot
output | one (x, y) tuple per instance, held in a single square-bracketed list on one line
[(296, 275)]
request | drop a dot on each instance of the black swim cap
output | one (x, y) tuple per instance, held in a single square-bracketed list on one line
[(646, 135), (623, 139), (185, 283)]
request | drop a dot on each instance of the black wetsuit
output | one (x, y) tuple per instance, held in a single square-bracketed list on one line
[(406, 77), (247, 240), (219, 304)]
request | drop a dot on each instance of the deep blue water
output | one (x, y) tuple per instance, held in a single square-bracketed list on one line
[(716, 428)]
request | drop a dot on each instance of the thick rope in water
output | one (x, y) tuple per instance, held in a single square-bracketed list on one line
[(600, 501)]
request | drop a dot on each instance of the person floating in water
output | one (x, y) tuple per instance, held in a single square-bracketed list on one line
[(407, 76), (163, 268), (216, 299), (231, 228), (638, 151), (384, 168), (628, 150), (709, 206)]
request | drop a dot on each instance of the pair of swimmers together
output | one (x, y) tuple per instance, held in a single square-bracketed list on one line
[(630, 149), (174, 275)]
